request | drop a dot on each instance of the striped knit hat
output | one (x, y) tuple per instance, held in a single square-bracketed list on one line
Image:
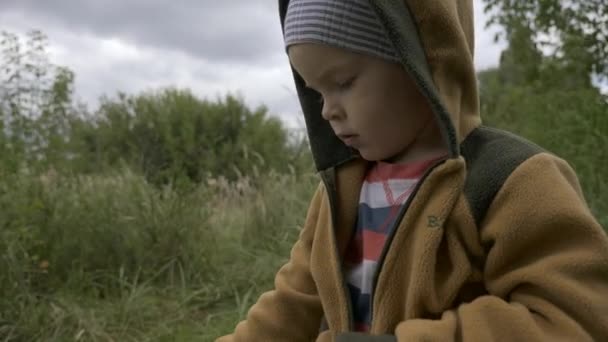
[(348, 24)]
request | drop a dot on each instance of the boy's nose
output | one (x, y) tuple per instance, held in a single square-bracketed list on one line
[(331, 112)]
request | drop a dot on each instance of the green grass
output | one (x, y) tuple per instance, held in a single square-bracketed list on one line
[(113, 258)]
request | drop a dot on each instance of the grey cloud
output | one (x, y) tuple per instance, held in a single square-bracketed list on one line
[(241, 31), (210, 46)]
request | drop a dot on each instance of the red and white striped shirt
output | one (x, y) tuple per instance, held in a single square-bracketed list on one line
[(385, 190)]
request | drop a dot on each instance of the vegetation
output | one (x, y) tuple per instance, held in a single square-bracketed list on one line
[(162, 216)]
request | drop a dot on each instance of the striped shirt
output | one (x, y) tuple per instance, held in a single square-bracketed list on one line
[(385, 190)]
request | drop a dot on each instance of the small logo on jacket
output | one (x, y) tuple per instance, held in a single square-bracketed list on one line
[(434, 221)]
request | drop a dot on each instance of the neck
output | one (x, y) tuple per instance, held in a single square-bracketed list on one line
[(428, 144)]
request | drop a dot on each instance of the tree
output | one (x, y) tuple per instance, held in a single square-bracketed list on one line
[(544, 92), (35, 98), (575, 32)]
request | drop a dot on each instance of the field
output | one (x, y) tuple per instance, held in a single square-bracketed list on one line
[(113, 258)]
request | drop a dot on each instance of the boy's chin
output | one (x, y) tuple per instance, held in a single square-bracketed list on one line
[(374, 155), (370, 156), (379, 157)]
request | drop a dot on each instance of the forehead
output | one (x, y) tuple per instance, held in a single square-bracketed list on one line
[(314, 61)]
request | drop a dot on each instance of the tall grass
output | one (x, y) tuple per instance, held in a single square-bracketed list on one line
[(112, 258)]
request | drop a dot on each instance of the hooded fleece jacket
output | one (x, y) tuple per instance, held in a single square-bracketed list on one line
[(495, 244)]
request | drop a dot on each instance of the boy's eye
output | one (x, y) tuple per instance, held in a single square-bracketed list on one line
[(346, 84)]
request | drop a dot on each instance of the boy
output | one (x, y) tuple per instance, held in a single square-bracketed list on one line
[(427, 226)]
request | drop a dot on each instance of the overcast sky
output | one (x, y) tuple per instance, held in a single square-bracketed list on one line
[(212, 47)]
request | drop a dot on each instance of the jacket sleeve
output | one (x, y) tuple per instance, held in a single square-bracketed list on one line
[(292, 311), (546, 267)]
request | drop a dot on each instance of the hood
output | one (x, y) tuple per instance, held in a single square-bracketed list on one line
[(435, 42)]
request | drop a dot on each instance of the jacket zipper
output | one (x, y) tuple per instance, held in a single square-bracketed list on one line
[(393, 232), (331, 191)]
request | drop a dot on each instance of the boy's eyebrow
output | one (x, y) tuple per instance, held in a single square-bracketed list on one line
[(327, 73)]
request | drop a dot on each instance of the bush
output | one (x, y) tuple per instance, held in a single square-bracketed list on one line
[(114, 257), (171, 135)]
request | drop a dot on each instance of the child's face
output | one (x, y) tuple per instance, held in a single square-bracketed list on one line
[(371, 104)]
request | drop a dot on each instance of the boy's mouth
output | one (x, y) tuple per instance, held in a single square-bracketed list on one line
[(348, 139)]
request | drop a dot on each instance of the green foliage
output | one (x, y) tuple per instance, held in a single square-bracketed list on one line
[(550, 100), (170, 135), (35, 101), (115, 258), (56, 214), (576, 32), (136, 221), (572, 124)]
